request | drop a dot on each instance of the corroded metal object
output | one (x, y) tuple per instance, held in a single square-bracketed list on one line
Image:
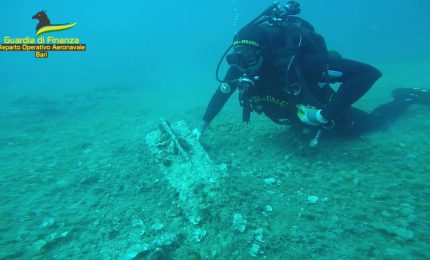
[(187, 167)]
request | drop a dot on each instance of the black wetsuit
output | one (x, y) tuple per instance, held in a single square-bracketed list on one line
[(271, 97)]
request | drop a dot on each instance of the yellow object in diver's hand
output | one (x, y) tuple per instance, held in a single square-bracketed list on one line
[(310, 115)]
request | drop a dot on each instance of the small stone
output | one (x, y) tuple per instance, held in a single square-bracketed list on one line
[(255, 250), (407, 211), (39, 245), (258, 234), (386, 214), (270, 181), (136, 251), (61, 183), (195, 219), (269, 208), (47, 222), (239, 222), (394, 252), (406, 205), (412, 218), (137, 223), (157, 226), (223, 167), (312, 199), (165, 240), (355, 181), (398, 231), (404, 233), (334, 218), (55, 236), (199, 234)]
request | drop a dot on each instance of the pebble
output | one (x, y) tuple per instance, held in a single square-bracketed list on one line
[(157, 226), (135, 250), (412, 218), (269, 181), (39, 245), (137, 223), (404, 233), (258, 234), (165, 239), (255, 250), (48, 222), (199, 234), (312, 199), (386, 214), (223, 167), (239, 222)]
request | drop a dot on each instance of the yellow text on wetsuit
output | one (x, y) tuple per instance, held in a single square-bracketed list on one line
[(269, 99)]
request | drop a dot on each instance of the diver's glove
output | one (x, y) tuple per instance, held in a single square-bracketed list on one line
[(200, 129), (310, 115), (293, 8)]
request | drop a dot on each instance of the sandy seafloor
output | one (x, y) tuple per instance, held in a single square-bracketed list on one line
[(77, 181)]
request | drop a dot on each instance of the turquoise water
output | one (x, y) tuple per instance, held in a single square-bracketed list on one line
[(77, 179)]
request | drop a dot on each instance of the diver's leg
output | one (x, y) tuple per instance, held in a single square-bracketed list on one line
[(356, 79), (402, 99), (355, 122)]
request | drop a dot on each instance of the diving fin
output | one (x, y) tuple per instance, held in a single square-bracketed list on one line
[(413, 95)]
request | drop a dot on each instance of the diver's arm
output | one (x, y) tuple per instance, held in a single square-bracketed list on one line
[(218, 100), (216, 103)]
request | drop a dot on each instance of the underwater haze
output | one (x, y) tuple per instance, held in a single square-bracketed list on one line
[(80, 179)]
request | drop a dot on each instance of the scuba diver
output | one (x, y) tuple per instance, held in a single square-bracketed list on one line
[(281, 68)]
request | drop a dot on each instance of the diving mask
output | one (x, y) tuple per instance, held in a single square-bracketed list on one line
[(244, 57)]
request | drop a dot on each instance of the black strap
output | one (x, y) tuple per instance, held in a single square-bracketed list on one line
[(246, 112)]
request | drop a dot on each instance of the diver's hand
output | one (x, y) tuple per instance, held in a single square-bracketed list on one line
[(310, 115), (196, 133), (199, 130), (293, 8)]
